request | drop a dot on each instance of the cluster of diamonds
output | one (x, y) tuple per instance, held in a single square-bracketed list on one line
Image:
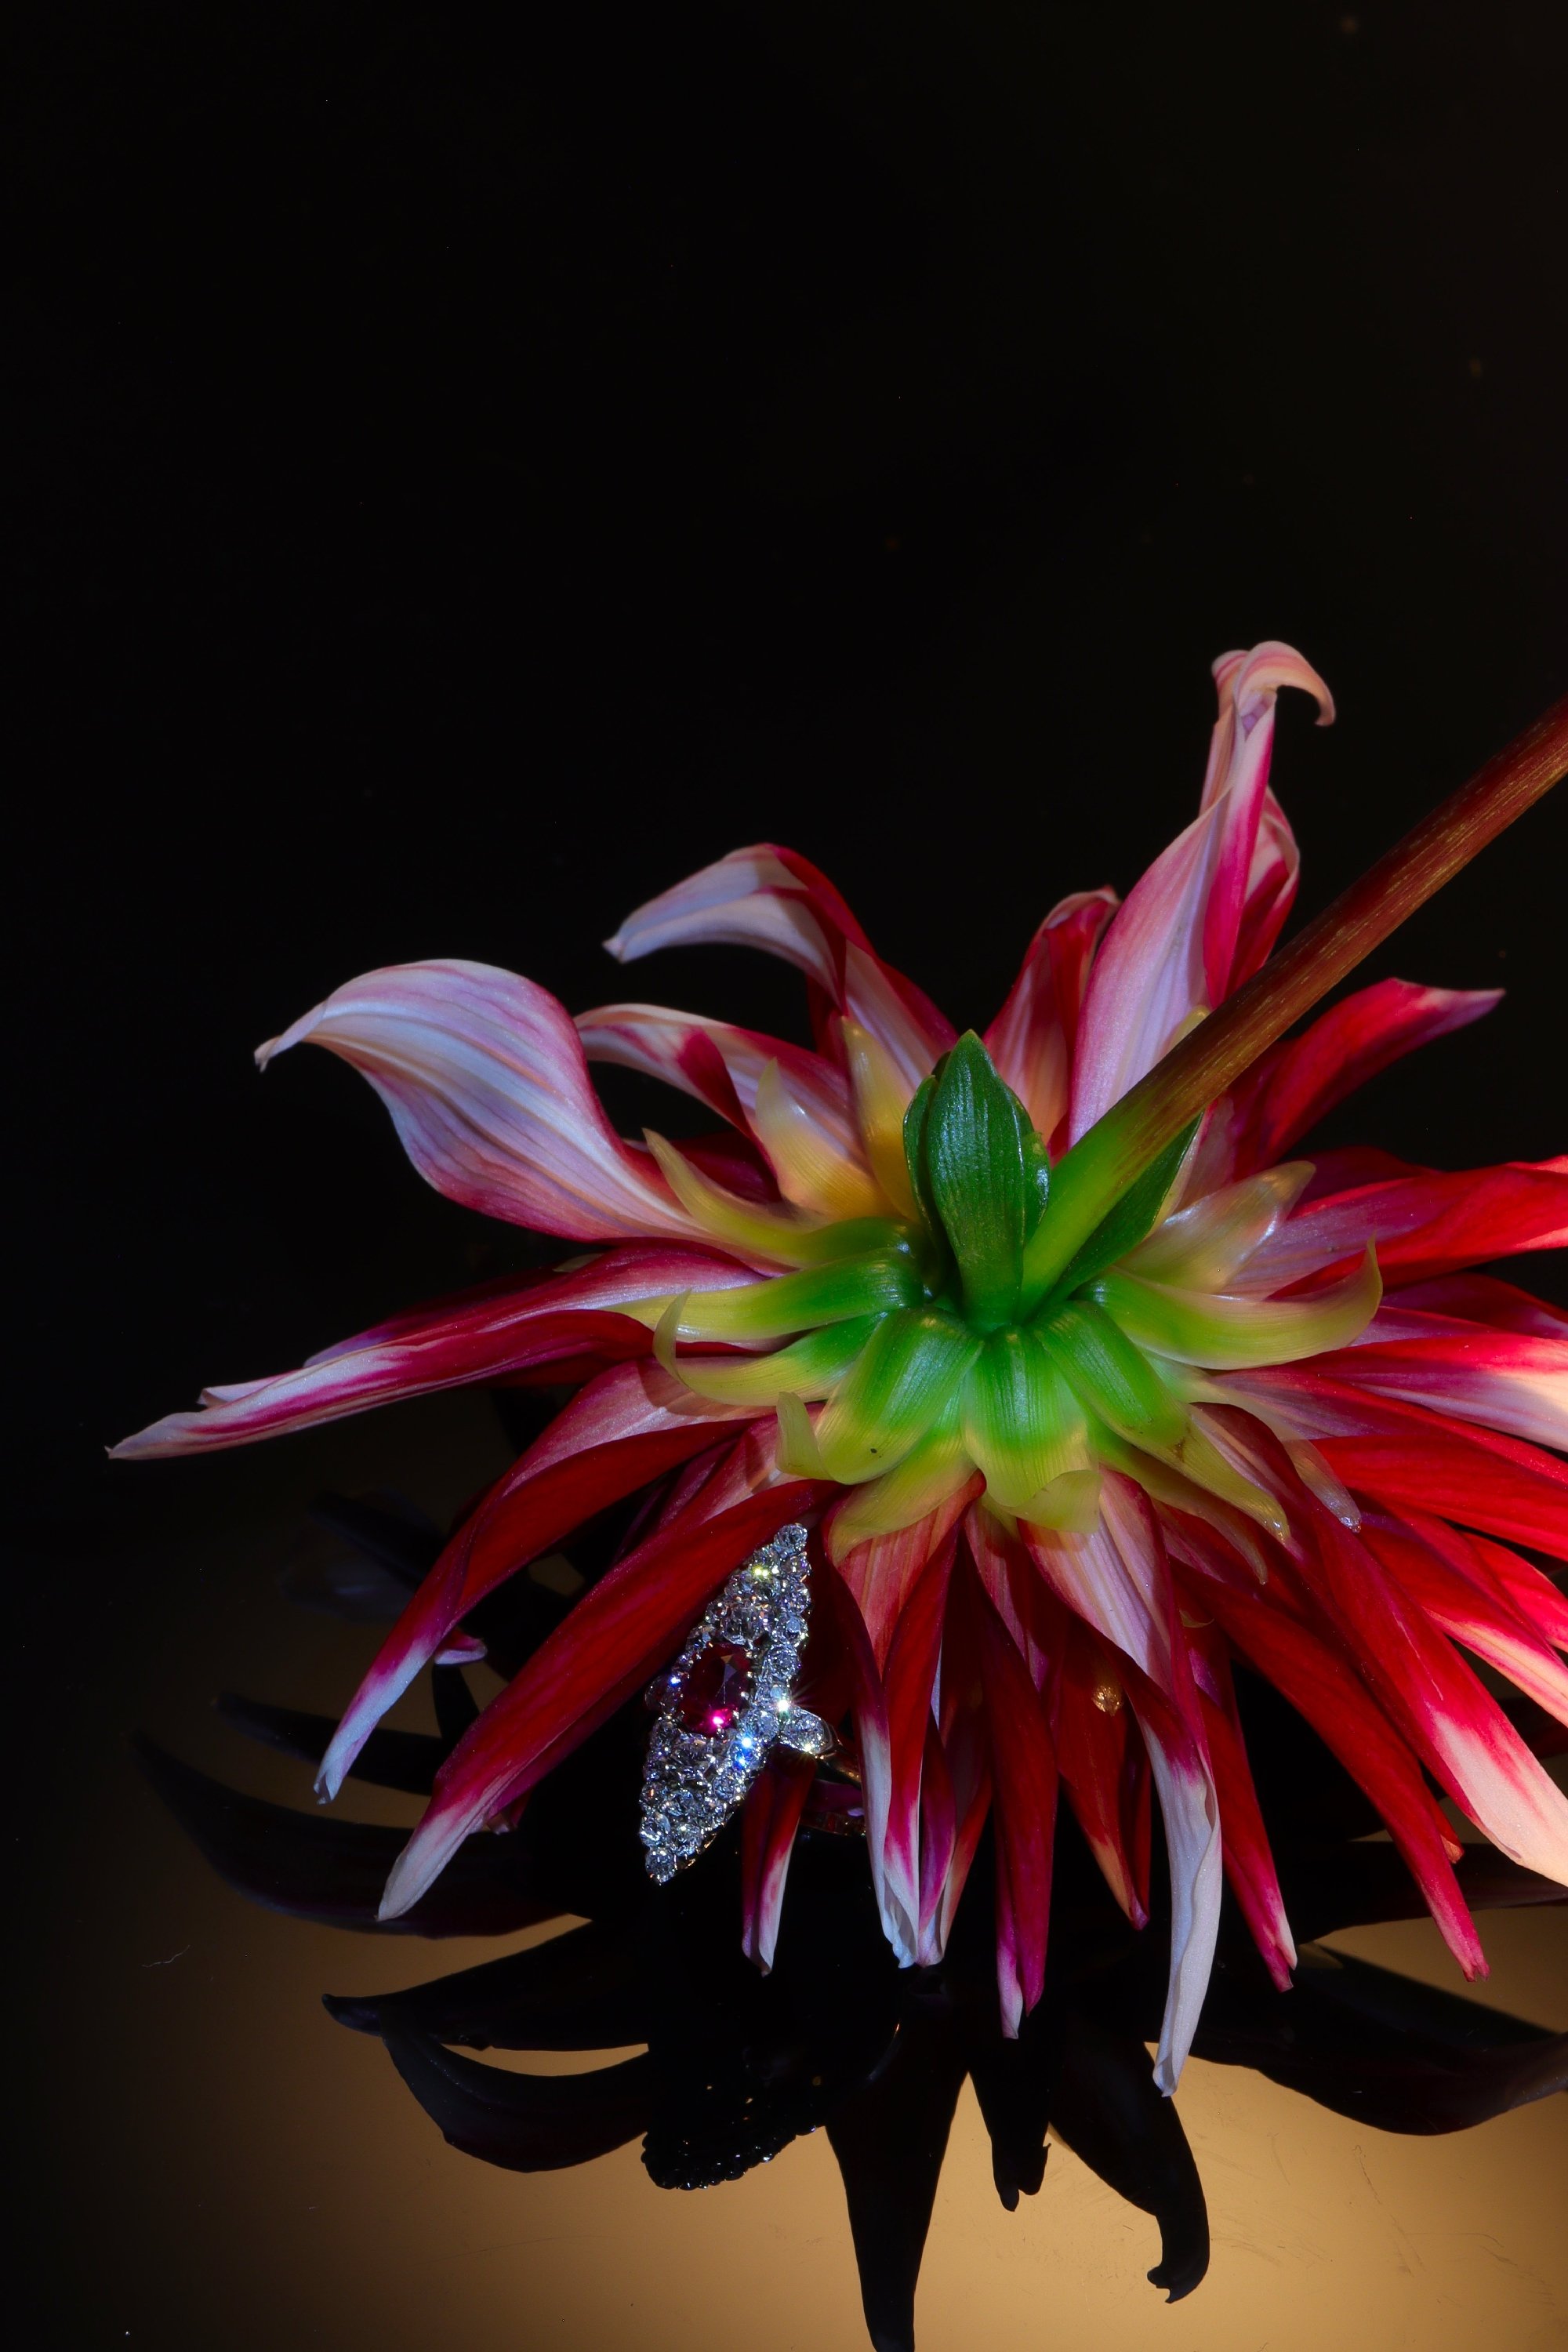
[(724, 1702)]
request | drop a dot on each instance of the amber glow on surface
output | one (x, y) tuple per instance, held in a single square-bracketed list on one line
[(258, 2176)]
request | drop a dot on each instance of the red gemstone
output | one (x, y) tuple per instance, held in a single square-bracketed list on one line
[(718, 1684)]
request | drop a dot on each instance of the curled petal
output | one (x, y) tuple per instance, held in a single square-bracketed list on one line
[(1172, 949), (1189, 1807), (522, 1323), (489, 1092), (773, 899), (1255, 878)]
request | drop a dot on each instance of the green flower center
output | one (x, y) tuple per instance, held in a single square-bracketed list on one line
[(933, 1352)]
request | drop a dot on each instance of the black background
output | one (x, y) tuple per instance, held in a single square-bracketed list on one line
[(471, 467)]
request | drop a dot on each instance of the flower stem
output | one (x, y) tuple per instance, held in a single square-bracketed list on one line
[(1100, 1166)]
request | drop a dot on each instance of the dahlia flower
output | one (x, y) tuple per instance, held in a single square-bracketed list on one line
[(1084, 1386)]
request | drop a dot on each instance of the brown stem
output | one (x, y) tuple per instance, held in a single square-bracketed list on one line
[(1197, 1071)]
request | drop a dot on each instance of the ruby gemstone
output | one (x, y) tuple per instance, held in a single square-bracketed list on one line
[(717, 1686)]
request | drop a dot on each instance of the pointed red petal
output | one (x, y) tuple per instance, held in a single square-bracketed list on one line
[(769, 1821), (1105, 1767), (625, 1428), (1403, 1454), (1454, 1725), (622, 1629), (1441, 1572), (1422, 1225), (522, 1322), (1341, 1050), (1249, 1860), (909, 1680), (1322, 1685), (1023, 1792), (965, 1743), (939, 1833)]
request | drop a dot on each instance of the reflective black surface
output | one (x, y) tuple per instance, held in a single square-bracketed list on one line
[(466, 469), (734, 2066)]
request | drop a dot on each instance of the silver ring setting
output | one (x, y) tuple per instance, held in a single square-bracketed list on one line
[(725, 1702)]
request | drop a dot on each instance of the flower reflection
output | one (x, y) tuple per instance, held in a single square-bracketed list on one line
[(735, 2064)]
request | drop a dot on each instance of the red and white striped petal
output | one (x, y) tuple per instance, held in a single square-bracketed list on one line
[(521, 1323), (1032, 1037), (1309, 1667), (1443, 1574), (773, 899), (909, 1680), (1510, 1380), (1301, 1080), (1454, 1725), (1257, 862), (882, 1571), (722, 1065), (622, 1629), (965, 1741), (768, 1825), (1482, 1299), (1405, 1456), (624, 1429), (1118, 1579), (898, 1894), (1424, 1225), (489, 1092), (1105, 1767), (1249, 1859), (1172, 949), (1024, 1809), (1189, 1808)]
